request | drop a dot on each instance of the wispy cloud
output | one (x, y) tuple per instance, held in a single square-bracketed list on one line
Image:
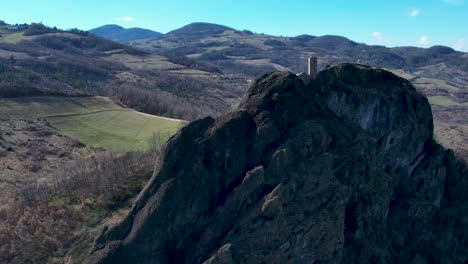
[(454, 2), (415, 12), (378, 38), (460, 45), (125, 19), (378, 35), (424, 40)]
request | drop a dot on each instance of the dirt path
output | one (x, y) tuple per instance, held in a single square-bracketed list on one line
[(111, 110), (126, 107), (161, 117), (80, 114)]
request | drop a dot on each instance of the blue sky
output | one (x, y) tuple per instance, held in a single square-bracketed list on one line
[(392, 23)]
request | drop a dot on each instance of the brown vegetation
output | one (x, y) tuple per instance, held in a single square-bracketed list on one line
[(43, 222), (54, 191), (192, 64), (166, 94), (38, 29)]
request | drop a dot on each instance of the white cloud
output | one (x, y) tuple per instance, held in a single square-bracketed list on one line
[(424, 40), (378, 35), (454, 2), (378, 38), (125, 19), (415, 12), (460, 45)]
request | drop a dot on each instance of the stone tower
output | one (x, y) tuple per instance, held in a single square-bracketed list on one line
[(312, 66)]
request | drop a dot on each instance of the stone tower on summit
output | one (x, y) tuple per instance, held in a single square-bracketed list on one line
[(312, 69)]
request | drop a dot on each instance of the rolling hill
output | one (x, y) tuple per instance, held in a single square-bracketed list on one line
[(198, 30), (124, 35), (441, 73), (203, 69), (47, 61), (220, 44)]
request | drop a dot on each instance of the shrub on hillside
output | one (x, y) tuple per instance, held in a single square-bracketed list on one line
[(246, 69), (212, 44), (303, 38), (159, 102), (274, 43), (78, 32), (38, 29), (97, 43), (185, 50), (54, 42), (192, 64), (22, 46), (43, 222), (242, 50), (135, 51), (213, 56), (110, 177)]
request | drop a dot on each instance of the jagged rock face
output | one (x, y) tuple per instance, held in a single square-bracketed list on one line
[(385, 105), (341, 171)]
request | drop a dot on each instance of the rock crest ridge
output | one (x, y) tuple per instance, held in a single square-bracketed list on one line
[(343, 170)]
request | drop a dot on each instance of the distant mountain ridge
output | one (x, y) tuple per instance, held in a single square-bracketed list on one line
[(48, 61), (199, 29), (217, 51), (226, 47), (124, 35), (440, 72)]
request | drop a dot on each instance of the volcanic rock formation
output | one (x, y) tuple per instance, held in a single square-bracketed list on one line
[(343, 170)]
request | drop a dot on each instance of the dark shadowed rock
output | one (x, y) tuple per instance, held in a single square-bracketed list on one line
[(383, 104), (342, 171)]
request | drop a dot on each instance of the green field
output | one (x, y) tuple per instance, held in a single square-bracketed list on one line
[(95, 121), (444, 101)]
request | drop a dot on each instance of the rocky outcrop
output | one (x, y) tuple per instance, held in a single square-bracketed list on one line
[(343, 170)]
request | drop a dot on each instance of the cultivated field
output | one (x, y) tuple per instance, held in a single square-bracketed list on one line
[(95, 121)]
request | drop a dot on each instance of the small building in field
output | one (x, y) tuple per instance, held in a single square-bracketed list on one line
[(17, 27)]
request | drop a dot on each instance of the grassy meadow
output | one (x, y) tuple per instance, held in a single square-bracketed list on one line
[(95, 121)]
